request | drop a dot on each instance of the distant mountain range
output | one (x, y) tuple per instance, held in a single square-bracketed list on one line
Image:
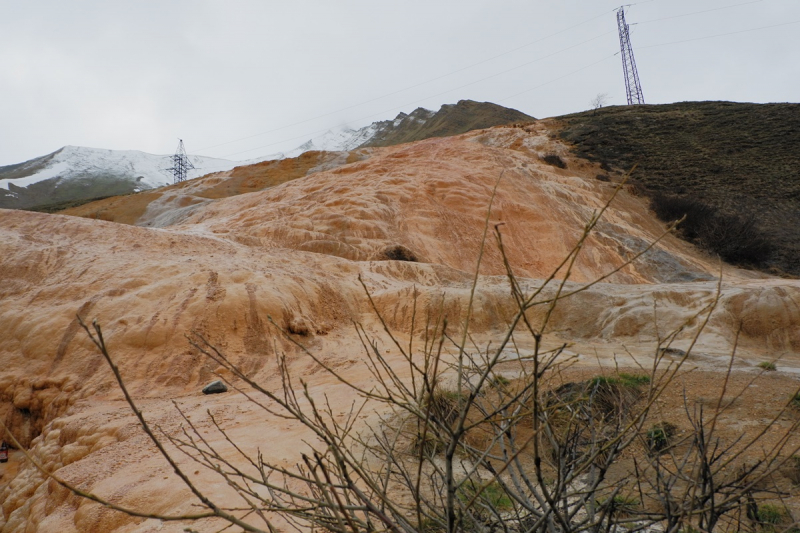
[(76, 174)]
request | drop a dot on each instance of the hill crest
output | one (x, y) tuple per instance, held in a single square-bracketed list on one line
[(74, 174)]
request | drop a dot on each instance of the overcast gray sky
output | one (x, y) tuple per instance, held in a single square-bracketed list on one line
[(245, 78)]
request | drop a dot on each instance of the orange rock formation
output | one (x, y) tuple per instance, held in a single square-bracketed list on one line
[(213, 257)]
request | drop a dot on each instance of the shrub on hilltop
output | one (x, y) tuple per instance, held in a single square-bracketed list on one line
[(734, 237)]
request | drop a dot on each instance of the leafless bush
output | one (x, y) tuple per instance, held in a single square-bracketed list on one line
[(734, 237), (599, 101), (460, 447), (554, 160)]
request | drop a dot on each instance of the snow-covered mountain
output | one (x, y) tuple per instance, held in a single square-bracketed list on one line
[(72, 162), (81, 172), (345, 138), (338, 139), (76, 173), (450, 119)]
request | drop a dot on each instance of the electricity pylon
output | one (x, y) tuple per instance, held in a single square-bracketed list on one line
[(632, 86), (180, 164)]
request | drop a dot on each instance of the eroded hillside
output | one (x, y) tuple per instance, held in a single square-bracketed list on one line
[(288, 245)]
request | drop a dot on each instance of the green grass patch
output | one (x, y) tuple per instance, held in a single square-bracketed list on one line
[(623, 378), (795, 401), (499, 382), (659, 437), (67, 204), (622, 505), (445, 404), (770, 514), (492, 495), (769, 366)]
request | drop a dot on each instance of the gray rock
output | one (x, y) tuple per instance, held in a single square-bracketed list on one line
[(215, 387)]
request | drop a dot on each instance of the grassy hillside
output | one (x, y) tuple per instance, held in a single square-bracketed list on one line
[(742, 160), (48, 194), (26, 168)]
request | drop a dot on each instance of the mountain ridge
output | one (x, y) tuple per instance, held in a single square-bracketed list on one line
[(75, 172), (451, 119), (93, 173), (288, 264)]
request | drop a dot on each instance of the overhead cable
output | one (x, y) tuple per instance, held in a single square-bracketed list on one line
[(417, 101), (414, 86), (698, 12), (719, 35)]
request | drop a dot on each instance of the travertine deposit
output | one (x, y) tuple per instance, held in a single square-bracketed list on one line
[(212, 257)]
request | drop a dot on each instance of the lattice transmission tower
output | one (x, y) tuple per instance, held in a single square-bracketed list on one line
[(632, 86), (181, 164)]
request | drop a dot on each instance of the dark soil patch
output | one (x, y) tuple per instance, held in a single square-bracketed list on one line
[(68, 204), (399, 253), (554, 160)]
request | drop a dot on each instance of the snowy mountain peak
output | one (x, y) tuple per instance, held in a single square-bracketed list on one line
[(73, 162), (345, 138), (77, 172)]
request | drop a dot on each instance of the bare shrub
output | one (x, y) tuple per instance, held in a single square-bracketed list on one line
[(480, 454), (554, 160), (400, 253), (792, 469), (599, 101), (637, 188), (734, 237), (659, 437)]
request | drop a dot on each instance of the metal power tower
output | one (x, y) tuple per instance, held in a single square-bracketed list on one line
[(180, 164), (632, 86)]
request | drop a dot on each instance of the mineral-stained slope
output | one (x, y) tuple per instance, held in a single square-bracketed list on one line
[(408, 220), (175, 202)]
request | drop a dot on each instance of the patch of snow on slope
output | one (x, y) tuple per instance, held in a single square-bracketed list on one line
[(341, 139), (344, 138), (51, 171), (399, 119), (75, 161)]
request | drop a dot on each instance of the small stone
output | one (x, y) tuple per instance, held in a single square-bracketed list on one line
[(215, 387)]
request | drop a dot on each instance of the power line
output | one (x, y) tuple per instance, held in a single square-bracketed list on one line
[(560, 77), (417, 101), (181, 164), (382, 113), (412, 86), (720, 35), (415, 86), (697, 12), (633, 88), (640, 47)]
